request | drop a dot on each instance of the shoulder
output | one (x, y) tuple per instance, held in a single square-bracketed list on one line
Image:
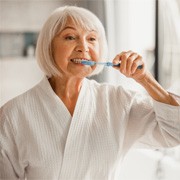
[(109, 92), (116, 93), (19, 102), (106, 87)]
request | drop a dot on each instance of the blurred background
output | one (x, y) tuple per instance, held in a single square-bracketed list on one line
[(150, 27)]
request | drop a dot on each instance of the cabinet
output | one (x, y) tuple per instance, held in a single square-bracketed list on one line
[(20, 22)]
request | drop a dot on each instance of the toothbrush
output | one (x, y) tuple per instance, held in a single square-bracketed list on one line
[(92, 63)]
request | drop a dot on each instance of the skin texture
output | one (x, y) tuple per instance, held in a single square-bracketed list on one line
[(75, 42)]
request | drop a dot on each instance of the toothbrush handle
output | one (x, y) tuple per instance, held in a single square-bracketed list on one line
[(92, 63), (118, 65)]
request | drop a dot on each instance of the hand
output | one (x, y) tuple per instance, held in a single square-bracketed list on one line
[(129, 62)]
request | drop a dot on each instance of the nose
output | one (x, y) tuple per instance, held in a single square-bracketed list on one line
[(82, 46)]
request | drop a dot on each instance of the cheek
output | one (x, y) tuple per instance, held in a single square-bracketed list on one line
[(60, 54), (95, 52), (59, 61)]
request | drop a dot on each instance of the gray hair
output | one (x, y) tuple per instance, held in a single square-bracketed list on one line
[(54, 25)]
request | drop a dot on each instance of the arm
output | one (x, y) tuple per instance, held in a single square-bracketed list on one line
[(9, 159), (129, 63), (152, 123), (156, 91)]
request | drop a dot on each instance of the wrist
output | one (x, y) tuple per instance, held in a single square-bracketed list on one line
[(145, 79)]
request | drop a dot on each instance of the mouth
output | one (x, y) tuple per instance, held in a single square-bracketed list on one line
[(78, 60)]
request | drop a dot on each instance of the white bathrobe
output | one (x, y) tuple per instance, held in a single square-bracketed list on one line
[(40, 140)]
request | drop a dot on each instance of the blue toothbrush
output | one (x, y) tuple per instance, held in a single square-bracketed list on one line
[(92, 63)]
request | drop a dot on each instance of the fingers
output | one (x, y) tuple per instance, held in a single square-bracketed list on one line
[(129, 62), (116, 60), (120, 58), (124, 57), (136, 63)]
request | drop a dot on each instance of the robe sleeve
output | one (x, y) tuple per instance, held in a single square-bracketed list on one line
[(9, 159), (152, 124)]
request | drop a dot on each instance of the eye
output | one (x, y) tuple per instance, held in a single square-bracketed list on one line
[(69, 37), (92, 39)]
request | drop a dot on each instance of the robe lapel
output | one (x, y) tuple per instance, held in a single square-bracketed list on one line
[(59, 116), (60, 112), (76, 137)]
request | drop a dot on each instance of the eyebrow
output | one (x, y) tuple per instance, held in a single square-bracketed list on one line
[(73, 28), (69, 27)]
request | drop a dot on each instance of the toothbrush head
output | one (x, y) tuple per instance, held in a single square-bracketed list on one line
[(86, 62)]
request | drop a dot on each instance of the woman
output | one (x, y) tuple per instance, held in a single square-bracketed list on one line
[(71, 128)]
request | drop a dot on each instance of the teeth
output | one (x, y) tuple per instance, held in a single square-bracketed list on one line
[(77, 61)]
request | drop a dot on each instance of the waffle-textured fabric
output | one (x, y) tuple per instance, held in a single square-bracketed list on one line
[(40, 140)]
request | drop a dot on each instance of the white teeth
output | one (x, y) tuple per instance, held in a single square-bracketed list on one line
[(77, 61)]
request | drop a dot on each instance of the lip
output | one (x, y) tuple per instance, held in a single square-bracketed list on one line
[(87, 59), (78, 61)]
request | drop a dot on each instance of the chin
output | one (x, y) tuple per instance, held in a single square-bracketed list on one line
[(82, 72)]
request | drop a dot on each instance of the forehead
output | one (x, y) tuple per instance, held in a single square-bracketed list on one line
[(70, 25), (79, 24)]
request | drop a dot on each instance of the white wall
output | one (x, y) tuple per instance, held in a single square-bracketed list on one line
[(130, 26), (16, 76), (25, 15)]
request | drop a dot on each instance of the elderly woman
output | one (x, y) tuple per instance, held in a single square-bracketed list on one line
[(70, 128)]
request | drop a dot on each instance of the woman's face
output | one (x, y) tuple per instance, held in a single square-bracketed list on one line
[(74, 42)]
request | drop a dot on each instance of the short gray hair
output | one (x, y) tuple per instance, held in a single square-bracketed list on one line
[(54, 25)]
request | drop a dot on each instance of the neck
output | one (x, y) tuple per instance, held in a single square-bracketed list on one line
[(68, 90)]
